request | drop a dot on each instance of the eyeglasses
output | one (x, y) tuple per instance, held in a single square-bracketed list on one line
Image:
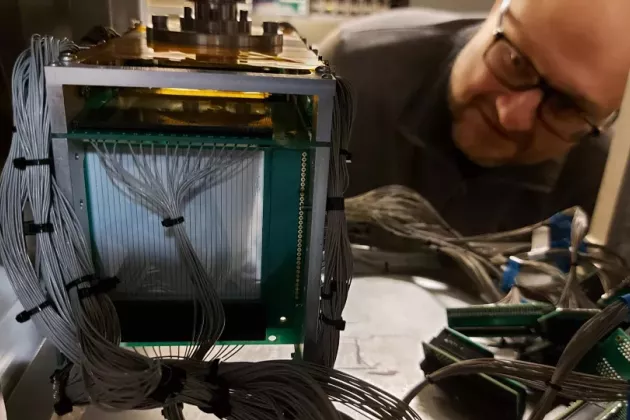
[(557, 110)]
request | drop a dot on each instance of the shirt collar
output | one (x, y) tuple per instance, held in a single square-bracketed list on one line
[(427, 122)]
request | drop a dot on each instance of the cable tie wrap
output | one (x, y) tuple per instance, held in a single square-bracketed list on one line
[(25, 316), (32, 228), (103, 286), (335, 204), (333, 290), (63, 404), (347, 154), (23, 163), (77, 282), (172, 222), (553, 386), (219, 404), (338, 324), (171, 383)]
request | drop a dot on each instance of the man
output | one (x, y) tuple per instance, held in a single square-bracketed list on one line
[(498, 123)]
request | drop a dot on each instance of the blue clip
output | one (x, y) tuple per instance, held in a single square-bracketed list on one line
[(560, 230), (560, 238), (509, 275), (626, 299)]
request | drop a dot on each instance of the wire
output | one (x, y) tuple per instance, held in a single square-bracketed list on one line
[(60, 282), (584, 339), (338, 261), (576, 386)]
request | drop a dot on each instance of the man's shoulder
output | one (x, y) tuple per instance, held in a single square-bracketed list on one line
[(383, 31)]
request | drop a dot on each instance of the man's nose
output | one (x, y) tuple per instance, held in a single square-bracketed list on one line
[(517, 111)]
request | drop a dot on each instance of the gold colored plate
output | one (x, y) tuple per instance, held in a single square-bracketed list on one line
[(132, 49)]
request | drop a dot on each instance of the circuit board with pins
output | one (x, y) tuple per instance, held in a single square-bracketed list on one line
[(498, 320)]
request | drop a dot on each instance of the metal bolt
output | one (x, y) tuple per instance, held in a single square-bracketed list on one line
[(67, 58), (327, 76), (81, 204), (76, 156), (322, 70)]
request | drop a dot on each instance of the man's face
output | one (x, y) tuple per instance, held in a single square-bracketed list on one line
[(578, 47)]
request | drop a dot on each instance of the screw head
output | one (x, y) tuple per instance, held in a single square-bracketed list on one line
[(67, 58)]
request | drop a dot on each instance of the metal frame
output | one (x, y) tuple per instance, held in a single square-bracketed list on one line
[(611, 219), (69, 156)]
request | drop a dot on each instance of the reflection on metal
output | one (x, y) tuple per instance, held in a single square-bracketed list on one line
[(211, 93), (134, 49), (215, 24)]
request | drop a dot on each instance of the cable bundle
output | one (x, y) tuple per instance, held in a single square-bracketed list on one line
[(554, 381), (576, 386), (337, 249), (63, 295), (166, 194), (591, 332), (403, 212)]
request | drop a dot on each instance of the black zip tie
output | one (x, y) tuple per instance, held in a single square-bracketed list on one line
[(347, 154), (14, 129), (335, 203), (103, 286), (25, 316), (76, 283), (333, 290), (219, 404), (23, 163), (553, 386), (172, 222), (31, 228), (339, 324), (171, 383)]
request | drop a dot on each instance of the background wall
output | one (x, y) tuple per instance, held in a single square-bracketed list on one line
[(458, 5)]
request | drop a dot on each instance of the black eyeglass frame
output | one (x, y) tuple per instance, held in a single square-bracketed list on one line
[(596, 129)]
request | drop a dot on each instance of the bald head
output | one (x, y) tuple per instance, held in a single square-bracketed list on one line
[(578, 44), (578, 47)]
